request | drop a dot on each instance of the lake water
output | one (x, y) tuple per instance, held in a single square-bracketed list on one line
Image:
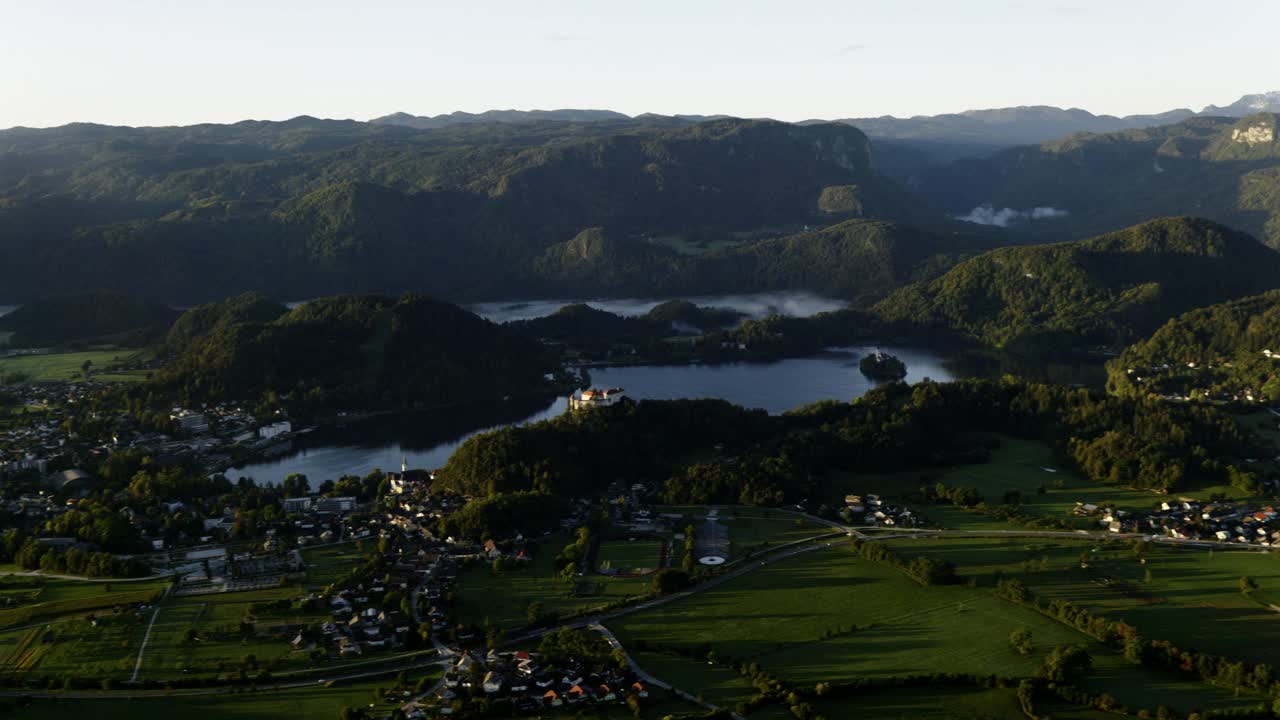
[(755, 305), (427, 440), (6, 309)]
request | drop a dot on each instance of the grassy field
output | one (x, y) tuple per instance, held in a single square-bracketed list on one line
[(502, 600), (331, 562), (779, 615), (64, 366), (629, 556), (1191, 597), (685, 246), (929, 704)]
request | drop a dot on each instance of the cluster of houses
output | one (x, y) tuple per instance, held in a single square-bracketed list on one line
[(521, 677), (1140, 376), (872, 511), (1189, 519), (360, 622), (35, 446)]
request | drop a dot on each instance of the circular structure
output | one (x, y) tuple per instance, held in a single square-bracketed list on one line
[(711, 560)]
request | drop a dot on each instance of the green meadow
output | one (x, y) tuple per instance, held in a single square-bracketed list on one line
[(54, 367), (629, 556), (792, 619), (1189, 596)]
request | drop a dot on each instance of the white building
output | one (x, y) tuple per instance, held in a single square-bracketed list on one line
[(596, 398), (266, 432)]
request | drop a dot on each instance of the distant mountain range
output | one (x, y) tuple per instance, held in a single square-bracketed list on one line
[(971, 130), (1225, 169), (430, 122)]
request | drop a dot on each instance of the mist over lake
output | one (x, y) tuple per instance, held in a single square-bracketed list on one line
[(796, 303)]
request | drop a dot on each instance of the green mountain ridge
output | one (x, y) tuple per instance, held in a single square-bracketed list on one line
[(1104, 290), (311, 207)]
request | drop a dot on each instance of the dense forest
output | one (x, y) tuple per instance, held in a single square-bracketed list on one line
[(347, 352), (101, 316), (1106, 290), (1226, 352)]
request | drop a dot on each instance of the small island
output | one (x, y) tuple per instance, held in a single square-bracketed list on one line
[(883, 367)]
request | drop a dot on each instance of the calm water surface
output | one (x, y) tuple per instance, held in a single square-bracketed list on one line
[(427, 440)]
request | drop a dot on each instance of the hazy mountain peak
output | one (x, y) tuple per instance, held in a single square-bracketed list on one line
[(1247, 105)]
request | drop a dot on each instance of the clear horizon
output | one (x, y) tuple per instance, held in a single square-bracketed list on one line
[(148, 63)]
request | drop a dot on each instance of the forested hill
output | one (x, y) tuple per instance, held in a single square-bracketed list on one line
[(1225, 169), (309, 207), (1104, 290), (348, 352), (856, 259), (85, 317), (1228, 352)]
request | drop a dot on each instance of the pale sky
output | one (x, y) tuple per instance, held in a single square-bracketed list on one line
[(165, 62)]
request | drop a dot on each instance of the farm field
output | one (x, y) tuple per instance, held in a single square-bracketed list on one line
[(108, 644), (60, 598), (62, 366), (629, 556), (1189, 596), (502, 600), (78, 647), (779, 615)]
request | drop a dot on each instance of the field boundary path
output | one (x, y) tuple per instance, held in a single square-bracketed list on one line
[(137, 666)]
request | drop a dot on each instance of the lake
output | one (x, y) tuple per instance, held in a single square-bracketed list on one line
[(6, 309), (428, 439), (756, 305)]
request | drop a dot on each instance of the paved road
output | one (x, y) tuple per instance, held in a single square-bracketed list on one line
[(36, 573), (656, 682)]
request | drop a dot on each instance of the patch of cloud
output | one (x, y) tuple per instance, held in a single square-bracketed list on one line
[(1004, 217)]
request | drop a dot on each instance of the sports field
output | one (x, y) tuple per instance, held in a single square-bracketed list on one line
[(330, 563), (781, 617), (629, 556)]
